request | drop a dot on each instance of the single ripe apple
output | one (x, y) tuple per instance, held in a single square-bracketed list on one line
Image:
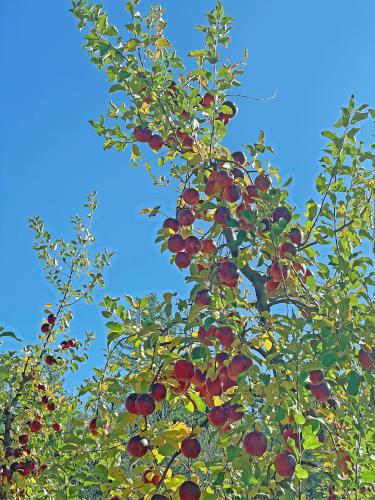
[(183, 370), (190, 196), (137, 446), (156, 142), (183, 260), (262, 182), (130, 403), (144, 404), (285, 464), (190, 447), (189, 491), (203, 298), (255, 443), (158, 391)]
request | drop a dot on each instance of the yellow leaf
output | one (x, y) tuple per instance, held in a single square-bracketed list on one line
[(117, 473), (268, 344)]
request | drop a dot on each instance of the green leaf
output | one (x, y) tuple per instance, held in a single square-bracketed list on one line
[(4, 372), (280, 413), (115, 88), (233, 452), (329, 134), (201, 405), (301, 473), (329, 358), (354, 383), (219, 478), (101, 471), (200, 352), (10, 334), (368, 476), (114, 327), (299, 418)]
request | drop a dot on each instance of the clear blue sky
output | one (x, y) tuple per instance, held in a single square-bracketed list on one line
[(314, 53)]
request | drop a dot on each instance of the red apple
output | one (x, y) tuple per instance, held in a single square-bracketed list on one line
[(93, 425), (172, 224), (225, 335), (223, 118), (218, 416), (287, 250), (23, 438), (231, 193), (250, 194), (35, 426), (191, 196), (51, 319), (290, 434), (285, 464), (262, 182), (366, 359), (281, 213), (272, 287), (345, 462), (199, 378), (202, 336), (175, 243), (156, 142), (255, 443), (221, 357), (158, 392), (238, 173), (187, 144), (130, 403), (235, 413), (239, 157), (214, 387), (142, 134), (144, 404), (322, 392), (137, 446), (56, 427), (183, 370), (186, 217), (183, 260), (50, 360), (51, 407), (316, 376), (45, 328), (238, 364), (296, 235), (208, 246), (203, 298), (228, 273), (207, 100), (222, 215), (192, 245), (189, 491), (190, 447), (279, 273)]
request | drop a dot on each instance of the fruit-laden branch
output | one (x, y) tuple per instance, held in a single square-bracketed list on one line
[(256, 278), (7, 440)]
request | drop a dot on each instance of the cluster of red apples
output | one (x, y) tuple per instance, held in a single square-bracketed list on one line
[(21, 462), (19, 459)]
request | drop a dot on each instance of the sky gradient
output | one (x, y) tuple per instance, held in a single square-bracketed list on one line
[(314, 54)]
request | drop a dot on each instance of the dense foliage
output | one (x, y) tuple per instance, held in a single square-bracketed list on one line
[(258, 384)]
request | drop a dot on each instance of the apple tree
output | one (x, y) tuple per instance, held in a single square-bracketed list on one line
[(258, 383)]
